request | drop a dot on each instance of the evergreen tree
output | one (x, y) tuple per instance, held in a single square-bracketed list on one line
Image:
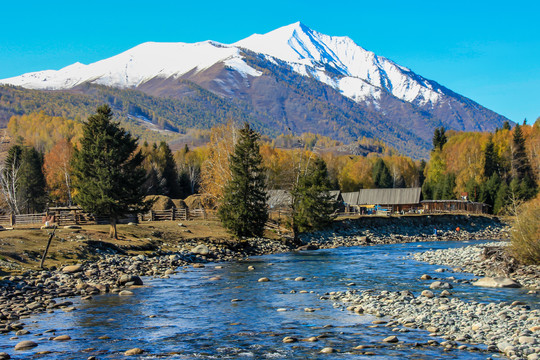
[(107, 169), (506, 126), (168, 170), (381, 175), (490, 189), (523, 184), (439, 138), (490, 159), (502, 198), (312, 205), (421, 175), (23, 181), (243, 210), (32, 181)]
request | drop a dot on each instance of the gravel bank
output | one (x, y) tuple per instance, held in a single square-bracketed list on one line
[(483, 260), (512, 329)]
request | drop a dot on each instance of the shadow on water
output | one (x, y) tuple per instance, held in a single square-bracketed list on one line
[(192, 315)]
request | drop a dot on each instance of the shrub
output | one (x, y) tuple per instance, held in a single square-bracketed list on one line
[(525, 246)]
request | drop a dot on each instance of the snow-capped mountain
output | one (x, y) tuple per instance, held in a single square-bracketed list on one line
[(280, 74), (337, 61)]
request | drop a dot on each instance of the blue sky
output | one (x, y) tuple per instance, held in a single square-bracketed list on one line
[(488, 51)]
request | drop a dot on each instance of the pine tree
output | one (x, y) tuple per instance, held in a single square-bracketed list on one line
[(490, 159), (168, 170), (312, 205), (243, 209), (439, 138), (381, 175), (22, 179), (32, 181), (107, 170), (506, 126), (523, 184)]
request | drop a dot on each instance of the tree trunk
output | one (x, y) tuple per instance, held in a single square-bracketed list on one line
[(112, 231)]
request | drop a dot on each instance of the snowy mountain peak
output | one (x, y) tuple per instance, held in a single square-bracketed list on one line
[(335, 60)]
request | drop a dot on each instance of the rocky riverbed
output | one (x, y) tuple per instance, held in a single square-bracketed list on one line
[(374, 231), (34, 291), (487, 260), (513, 329)]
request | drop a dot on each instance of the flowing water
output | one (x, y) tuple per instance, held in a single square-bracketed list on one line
[(191, 316)]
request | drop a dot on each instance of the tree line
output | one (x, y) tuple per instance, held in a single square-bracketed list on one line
[(495, 168)]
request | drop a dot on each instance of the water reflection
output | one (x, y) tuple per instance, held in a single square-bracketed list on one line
[(192, 315)]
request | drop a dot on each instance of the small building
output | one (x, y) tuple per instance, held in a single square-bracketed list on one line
[(279, 200), (454, 206), (367, 201)]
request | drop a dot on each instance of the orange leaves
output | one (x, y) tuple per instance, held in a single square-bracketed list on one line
[(57, 171)]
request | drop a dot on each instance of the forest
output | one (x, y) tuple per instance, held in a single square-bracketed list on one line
[(495, 168)]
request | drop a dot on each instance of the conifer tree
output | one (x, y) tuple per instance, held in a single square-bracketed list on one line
[(107, 170), (32, 181), (490, 159), (523, 184), (439, 138), (381, 175), (22, 179), (312, 205), (243, 209)]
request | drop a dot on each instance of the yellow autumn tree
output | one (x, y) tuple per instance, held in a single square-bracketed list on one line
[(215, 172), (57, 170)]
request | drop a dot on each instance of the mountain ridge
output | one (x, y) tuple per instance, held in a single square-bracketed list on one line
[(284, 77)]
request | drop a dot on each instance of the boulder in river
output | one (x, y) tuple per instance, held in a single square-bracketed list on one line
[(133, 279), (497, 282), (440, 285), (24, 345), (201, 250), (134, 351)]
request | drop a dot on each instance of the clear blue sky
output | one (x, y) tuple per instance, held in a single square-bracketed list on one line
[(486, 50)]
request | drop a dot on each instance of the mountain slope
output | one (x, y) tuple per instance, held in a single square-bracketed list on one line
[(290, 79)]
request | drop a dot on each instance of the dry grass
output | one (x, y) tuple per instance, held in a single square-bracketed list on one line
[(525, 245), (24, 245)]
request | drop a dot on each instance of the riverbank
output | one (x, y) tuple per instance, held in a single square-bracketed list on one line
[(511, 328), (487, 260), (391, 230), (118, 268)]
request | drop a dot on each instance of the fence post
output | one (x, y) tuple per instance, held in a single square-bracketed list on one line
[(204, 214), (152, 215), (173, 215), (12, 220)]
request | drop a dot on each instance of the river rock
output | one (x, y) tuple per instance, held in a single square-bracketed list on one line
[(125, 293), (62, 338), (425, 277), (4, 356), (427, 293), (440, 285), (134, 351), (391, 339), (263, 279), (125, 279), (71, 269), (24, 345), (200, 250), (289, 339), (497, 282), (327, 350)]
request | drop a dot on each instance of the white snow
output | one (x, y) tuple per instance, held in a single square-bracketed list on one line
[(357, 73)]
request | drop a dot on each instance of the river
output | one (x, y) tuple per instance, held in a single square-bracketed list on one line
[(191, 315)]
